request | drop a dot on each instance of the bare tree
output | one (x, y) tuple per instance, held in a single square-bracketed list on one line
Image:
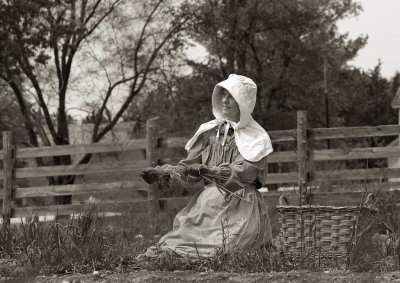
[(48, 35)]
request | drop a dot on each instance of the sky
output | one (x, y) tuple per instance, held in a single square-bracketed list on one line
[(380, 20)]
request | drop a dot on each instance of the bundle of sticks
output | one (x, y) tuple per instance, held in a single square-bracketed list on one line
[(152, 174), (162, 175), (216, 175)]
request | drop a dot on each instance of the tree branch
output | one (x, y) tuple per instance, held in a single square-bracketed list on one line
[(25, 66), (95, 25), (104, 105), (141, 37), (134, 91)]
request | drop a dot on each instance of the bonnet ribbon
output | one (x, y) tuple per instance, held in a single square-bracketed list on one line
[(228, 124)]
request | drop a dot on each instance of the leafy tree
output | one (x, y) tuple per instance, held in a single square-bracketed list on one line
[(362, 107), (292, 49), (395, 84), (10, 117), (181, 102), (41, 38), (294, 52), (37, 34)]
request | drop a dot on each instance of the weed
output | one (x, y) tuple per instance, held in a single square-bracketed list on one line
[(90, 241), (375, 243), (253, 260)]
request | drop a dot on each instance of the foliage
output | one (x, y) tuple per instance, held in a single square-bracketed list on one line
[(50, 47), (184, 100), (253, 260), (293, 51), (91, 241), (10, 117), (88, 242), (51, 35), (286, 47), (376, 240), (360, 105), (295, 54)]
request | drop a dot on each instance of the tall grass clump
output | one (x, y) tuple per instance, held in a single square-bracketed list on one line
[(79, 244), (375, 243), (84, 243), (91, 241)]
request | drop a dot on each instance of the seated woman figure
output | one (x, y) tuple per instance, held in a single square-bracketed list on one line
[(230, 155)]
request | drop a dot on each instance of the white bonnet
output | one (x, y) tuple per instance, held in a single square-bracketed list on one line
[(251, 139), (243, 90)]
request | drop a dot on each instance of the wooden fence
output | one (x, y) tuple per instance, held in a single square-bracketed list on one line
[(306, 157), (9, 154), (163, 150)]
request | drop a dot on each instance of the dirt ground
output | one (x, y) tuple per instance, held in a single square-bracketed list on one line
[(190, 276)]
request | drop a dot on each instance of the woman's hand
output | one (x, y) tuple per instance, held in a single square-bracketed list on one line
[(214, 170), (195, 170)]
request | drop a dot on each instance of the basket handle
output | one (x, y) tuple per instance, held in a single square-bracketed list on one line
[(283, 200), (370, 201)]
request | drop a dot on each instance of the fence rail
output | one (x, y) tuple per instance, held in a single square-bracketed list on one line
[(161, 150), (71, 209), (78, 169), (77, 189), (61, 150), (354, 132)]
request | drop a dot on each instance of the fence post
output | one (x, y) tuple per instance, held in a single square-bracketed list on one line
[(8, 167), (302, 156), (151, 157)]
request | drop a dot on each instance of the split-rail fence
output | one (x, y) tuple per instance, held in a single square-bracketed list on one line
[(160, 150)]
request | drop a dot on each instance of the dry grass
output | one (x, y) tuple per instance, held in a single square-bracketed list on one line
[(93, 242), (375, 245), (254, 260), (85, 243)]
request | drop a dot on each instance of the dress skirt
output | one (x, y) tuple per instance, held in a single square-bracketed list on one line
[(217, 220)]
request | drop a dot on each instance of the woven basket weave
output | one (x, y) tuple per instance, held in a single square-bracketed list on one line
[(323, 229)]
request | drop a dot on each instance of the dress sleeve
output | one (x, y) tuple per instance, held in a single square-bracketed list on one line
[(245, 173), (194, 154)]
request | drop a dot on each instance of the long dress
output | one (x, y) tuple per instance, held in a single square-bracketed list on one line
[(215, 219)]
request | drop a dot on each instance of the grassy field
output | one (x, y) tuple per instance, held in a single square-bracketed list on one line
[(92, 242)]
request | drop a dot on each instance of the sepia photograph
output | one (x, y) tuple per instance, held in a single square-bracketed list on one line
[(199, 141)]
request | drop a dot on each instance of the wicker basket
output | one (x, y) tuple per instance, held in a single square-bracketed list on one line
[(326, 230)]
